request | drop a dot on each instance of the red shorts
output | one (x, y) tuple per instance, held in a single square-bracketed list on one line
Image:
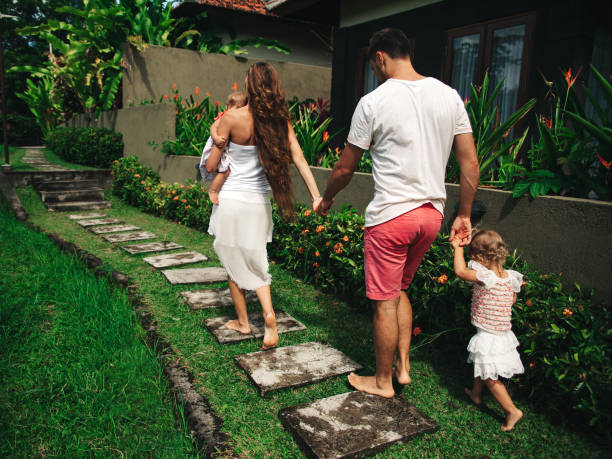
[(393, 250)]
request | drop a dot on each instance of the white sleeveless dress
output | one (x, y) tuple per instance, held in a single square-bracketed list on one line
[(242, 222)]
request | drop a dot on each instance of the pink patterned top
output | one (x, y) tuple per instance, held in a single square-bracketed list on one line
[(492, 300)]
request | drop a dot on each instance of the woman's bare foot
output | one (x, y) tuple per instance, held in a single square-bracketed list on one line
[(235, 325), (511, 420), (270, 339), (476, 398), (368, 384), (402, 376)]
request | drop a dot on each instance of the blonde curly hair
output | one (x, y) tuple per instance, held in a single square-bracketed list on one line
[(487, 246)]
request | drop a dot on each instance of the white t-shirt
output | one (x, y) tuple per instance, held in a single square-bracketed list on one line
[(409, 128)]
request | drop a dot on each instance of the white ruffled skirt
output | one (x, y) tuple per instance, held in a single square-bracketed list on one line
[(494, 355), (242, 226)]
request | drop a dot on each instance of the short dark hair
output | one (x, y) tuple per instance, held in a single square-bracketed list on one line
[(391, 41)]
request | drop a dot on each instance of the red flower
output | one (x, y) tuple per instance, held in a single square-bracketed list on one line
[(317, 254), (235, 86), (606, 164), (568, 77), (175, 198), (325, 136), (320, 228), (528, 303), (174, 86), (443, 279), (300, 250), (338, 247), (315, 264), (416, 331), (219, 115), (546, 121), (197, 90), (165, 97)]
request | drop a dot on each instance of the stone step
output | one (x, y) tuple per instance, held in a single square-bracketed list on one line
[(214, 298), (135, 236), (98, 221), (78, 205), (284, 323), (175, 259), (87, 216), (354, 424), (151, 247), (90, 194), (294, 366), (61, 185), (195, 275), (104, 229)]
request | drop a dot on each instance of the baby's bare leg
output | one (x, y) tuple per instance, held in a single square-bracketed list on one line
[(215, 186)]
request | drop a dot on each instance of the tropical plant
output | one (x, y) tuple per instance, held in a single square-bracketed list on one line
[(39, 97), (311, 133), (491, 136)]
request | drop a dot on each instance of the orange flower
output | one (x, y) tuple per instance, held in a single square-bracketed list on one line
[(320, 228), (306, 231), (362, 228), (175, 198), (197, 90), (307, 213), (147, 188), (317, 254), (207, 94), (183, 200), (142, 182), (568, 312), (136, 175), (181, 186), (568, 77), (173, 191), (338, 247), (606, 164), (198, 116), (175, 96), (174, 86), (217, 103), (327, 244), (325, 136), (345, 238), (442, 279), (416, 331), (300, 250), (528, 303), (186, 207), (531, 365), (165, 97), (315, 264), (466, 100), (235, 86), (203, 189)]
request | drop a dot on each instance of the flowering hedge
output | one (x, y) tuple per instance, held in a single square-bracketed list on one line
[(564, 337)]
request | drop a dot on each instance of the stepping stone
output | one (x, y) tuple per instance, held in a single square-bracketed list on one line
[(112, 229), (284, 323), (294, 366), (83, 216), (136, 236), (195, 275), (80, 205), (151, 247), (354, 424), (98, 221), (214, 298), (175, 259)]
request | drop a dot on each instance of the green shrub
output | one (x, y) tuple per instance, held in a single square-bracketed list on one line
[(96, 147), (564, 337)]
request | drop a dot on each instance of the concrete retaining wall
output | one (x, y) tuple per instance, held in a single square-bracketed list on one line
[(150, 74)]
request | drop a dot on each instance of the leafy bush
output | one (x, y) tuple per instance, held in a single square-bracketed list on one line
[(564, 337), (96, 147)]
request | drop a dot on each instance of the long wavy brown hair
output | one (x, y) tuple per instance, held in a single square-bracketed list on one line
[(271, 127)]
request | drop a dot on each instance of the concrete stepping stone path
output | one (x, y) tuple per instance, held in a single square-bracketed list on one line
[(151, 247), (112, 228), (294, 366), (354, 424), (284, 323), (98, 221), (195, 275), (213, 298), (123, 237), (86, 216), (175, 259)]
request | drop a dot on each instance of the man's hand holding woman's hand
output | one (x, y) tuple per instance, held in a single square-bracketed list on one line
[(322, 206)]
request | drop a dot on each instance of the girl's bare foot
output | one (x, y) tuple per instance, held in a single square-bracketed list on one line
[(235, 325), (368, 384), (511, 420), (270, 339), (402, 375), (475, 397)]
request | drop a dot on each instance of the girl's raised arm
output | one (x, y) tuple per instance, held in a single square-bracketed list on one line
[(461, 269)]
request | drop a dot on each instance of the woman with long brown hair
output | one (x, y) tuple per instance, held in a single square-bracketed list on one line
[(262, 145)]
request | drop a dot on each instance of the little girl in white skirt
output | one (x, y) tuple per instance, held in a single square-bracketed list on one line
[(493, 347)]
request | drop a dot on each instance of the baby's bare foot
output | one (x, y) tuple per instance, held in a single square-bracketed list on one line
[(511, 420), (402, 376), (368, 384), (475, 397), (235, 325), (270, 333)]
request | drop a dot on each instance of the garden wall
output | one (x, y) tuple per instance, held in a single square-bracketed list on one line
[(150, 74), (566, 235)]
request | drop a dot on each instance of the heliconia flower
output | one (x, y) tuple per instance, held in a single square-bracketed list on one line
[(165, 97), (217, 103), (235, 86), (315, 264), (207, 94), (546, 82), (416, 331), (546, 121), (175, 96), (174, 86), (325, 136), (300, 250), (197, 90), (605, 163), (466, 100), (568, 77)]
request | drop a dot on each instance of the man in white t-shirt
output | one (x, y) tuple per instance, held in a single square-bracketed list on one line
[(409, 123)]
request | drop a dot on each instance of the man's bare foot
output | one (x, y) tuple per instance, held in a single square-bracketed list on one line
[(270, 339), (368, 384), (511, 420), (403, 377), (235, 325), (476, 398)]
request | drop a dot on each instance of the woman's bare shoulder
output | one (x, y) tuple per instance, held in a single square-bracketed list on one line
[(239, 115)]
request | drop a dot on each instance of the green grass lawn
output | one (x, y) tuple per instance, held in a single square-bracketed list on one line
[(76, 379), (15, 156), (251, 421)]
